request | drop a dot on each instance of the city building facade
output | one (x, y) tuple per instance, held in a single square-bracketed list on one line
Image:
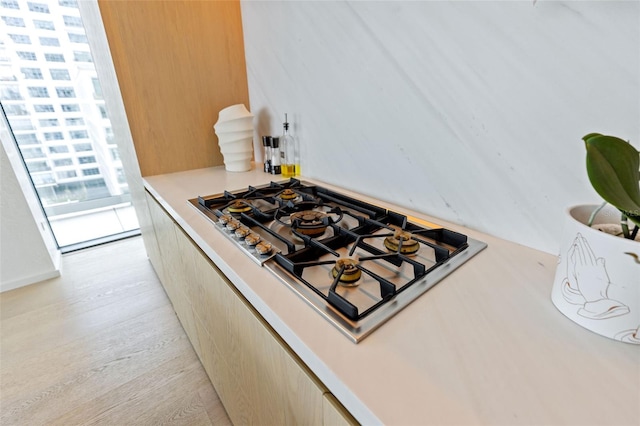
[(53, 101)]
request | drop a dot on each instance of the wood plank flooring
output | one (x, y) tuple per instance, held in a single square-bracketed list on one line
[(100, 345)]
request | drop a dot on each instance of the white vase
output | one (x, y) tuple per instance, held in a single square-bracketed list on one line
[(597, 280), (234, 130)]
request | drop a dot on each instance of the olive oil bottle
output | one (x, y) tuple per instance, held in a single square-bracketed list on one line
[(290, 152)]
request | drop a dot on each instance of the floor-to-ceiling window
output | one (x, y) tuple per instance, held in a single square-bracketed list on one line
[(52, 99)]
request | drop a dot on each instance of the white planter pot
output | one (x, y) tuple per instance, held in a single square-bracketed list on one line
[(234, 129), (597, 281)]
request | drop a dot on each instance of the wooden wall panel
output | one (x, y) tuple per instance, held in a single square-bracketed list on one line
[(178, 64)]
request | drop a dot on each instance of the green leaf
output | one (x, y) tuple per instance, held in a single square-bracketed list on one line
[(589, 136), (634, 219), (613, 166)]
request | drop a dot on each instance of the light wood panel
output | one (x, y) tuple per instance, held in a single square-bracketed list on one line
[(100, 345), (259, 379), (176, 267), (178, 64), (333, 413)]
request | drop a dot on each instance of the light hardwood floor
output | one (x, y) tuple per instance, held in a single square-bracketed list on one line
[(100, 345)]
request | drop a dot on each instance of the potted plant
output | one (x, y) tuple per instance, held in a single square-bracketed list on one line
[(597, 282)]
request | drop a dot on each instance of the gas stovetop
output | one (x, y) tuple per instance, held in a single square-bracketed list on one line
[(355, 263)]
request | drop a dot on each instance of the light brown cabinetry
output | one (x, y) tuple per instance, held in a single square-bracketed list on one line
[(333, 413), (257, 376), (173, 268)]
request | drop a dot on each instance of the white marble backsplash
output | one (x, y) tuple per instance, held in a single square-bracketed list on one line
[(471, 111)]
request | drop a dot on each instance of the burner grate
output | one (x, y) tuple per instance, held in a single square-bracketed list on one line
[(297, 263)]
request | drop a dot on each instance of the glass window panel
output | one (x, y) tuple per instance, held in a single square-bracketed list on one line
[(79, 134), (63, 162), (13, 21), (38, 7), (22, 124), (53, 136), (15, 109), (26, 139), (49, 41), (78, 38), (20, 38), (38, 166), (10, 4), (65, 92), (82, 147), (49, 122), (10, 93), (38, 92), (43, 178), (74, 121), (60, 74), (32, 73), (6, 72), (29, 153), (79, 56), (71, 108), (48, 149), (87, 160), (90, 172), (27, 56), (66, 174), (68, 3), (59, 149), (72, 21), (54, 57), (120, 175), (43, 108), (43, 25), (97, 89), (115, 154)]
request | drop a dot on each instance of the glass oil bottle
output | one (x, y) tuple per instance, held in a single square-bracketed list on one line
[(290, 160)]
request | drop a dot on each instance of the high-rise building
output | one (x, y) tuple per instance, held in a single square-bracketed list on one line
[(53, 101)]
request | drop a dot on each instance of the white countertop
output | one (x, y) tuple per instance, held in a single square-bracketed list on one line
[(484, 346)]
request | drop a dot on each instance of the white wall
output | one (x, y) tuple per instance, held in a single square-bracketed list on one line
[(468, 111), (28, 253)]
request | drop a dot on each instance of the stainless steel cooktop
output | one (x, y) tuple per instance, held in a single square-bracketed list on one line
[(355, 263)]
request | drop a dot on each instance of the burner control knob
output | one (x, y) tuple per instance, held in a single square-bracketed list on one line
[(264, 248)]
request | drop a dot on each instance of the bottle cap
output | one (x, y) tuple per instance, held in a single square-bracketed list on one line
[(266, 141), (275, 142)]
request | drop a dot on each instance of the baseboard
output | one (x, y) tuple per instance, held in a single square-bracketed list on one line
[(12, 285)]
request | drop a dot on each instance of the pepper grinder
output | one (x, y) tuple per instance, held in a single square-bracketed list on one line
[(266, 143), (275, 156)]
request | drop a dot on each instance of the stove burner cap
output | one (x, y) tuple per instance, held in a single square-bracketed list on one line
[(409, 245), (239, 206), (351, 273), (309, 222), (288, 194)]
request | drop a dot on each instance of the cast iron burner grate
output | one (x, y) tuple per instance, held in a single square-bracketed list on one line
[(444, 244)]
